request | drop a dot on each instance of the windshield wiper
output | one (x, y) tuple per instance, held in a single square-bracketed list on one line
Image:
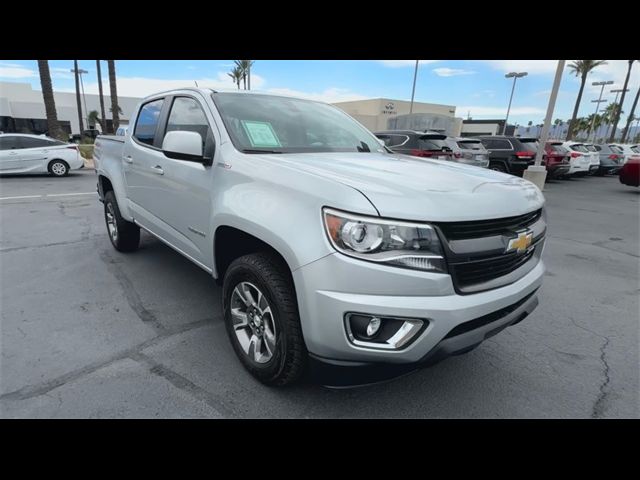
[(257, 150), (364, 147)]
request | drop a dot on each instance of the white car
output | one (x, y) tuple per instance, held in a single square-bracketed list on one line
[(580, 158), (629, 151), (595, 158), (22, 153)]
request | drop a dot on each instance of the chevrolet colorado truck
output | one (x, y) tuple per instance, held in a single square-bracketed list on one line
[(337, 257)]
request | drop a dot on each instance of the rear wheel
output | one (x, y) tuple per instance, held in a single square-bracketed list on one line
[(124, 236), (58, 168), (498, 167)]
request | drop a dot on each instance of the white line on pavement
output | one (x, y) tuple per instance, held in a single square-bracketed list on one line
[(25, 196), (49, 195), (69, 194)]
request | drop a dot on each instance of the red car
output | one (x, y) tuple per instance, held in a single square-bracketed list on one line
[(630, 172), (555, 158)]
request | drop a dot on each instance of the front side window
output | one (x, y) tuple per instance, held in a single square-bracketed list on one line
[(187, 115), (264, 123), (147, 122)]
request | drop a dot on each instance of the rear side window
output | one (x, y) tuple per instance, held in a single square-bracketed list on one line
[(29, 142), (530, 145), (8, 143), (497, 144), (558, 148), (579, 148), (187, 115), (470, 145), (616, 149), (432, 144), (393, 140), (147, 122)]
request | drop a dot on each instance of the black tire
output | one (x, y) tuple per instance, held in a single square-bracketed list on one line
[(269, 274), (498, 167), (127, 236), (58, 168)]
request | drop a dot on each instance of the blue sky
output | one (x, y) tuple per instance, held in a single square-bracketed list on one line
[(475, 86)]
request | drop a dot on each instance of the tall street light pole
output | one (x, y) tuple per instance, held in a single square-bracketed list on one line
[(413, 91), (536, 173), (597, 102), (515, 76), (80, 72)]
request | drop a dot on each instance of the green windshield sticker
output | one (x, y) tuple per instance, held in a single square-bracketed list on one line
[(260, 134)]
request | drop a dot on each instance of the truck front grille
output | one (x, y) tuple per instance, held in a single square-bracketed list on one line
[(487, 228), (471, 273)]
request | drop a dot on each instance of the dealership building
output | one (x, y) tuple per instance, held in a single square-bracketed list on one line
[(388, 114), (22, 108)]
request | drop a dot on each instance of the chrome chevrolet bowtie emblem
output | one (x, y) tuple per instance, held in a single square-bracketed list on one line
[(521, 243)]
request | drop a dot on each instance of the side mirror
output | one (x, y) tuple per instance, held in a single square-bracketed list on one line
[(184, 145), (381, 142)]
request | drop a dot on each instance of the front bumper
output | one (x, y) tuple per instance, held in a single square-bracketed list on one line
[(329, 288)]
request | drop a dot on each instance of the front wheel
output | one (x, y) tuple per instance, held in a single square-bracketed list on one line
[(124, 236), (262, 320)]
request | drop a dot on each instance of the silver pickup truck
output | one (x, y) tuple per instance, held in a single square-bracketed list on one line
[(336, 256)]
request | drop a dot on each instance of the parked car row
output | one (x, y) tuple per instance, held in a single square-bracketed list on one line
[(510, 154)]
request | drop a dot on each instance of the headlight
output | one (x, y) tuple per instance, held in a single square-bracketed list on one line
[(403, 244)]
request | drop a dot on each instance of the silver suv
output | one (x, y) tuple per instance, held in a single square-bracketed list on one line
[(336, 256)]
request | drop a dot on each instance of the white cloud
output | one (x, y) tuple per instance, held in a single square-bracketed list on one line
[(451, 72), (530, 66), (485, 93), (14, 70), (500, 112), (143, 86), (329, 95), (404, 63), (615, 70)]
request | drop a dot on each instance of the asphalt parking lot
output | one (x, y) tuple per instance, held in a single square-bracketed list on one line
[(89, 332)]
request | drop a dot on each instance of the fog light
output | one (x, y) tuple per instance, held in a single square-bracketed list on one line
[(381, 332), (373, 327)]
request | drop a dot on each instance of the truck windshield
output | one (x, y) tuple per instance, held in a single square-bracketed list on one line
[(270, 124)]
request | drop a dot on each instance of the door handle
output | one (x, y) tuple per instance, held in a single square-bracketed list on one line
[(158, 169), (128, 159)]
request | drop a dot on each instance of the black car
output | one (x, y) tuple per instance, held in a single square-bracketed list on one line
[(510, 154), (419, 144)]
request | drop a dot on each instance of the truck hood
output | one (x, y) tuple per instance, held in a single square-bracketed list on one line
[(405, 187)]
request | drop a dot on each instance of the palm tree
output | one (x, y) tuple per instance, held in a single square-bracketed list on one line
[(245, 68), (93, 118), (624, 91), (115, 109), (53, 126), (236, 75), (581, 68), (101, 96), (631, 116), (556, 125)]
